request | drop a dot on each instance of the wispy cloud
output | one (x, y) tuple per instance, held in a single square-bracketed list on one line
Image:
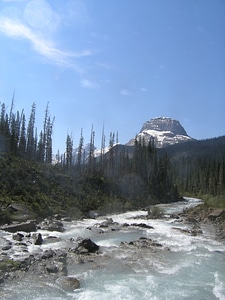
[(85, 83), (162, 67), (41, 45), (144, 90), (125, 92)]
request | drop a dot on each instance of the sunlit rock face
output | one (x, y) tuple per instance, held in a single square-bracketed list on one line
[(162, 132)]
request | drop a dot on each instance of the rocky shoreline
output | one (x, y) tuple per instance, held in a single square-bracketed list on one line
[(51, 265), (202, 214)]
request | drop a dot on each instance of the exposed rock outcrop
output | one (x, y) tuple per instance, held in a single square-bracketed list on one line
[(28, 226), (162, 132)]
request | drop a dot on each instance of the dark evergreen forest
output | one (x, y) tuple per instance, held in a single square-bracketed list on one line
[(199, 169), (121, 179)]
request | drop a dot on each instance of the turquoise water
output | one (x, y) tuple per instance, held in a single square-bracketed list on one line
[(186, 267)]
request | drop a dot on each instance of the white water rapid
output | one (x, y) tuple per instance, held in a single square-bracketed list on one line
[(184, 267)]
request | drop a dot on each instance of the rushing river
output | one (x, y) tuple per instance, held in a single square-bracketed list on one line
[(186, 267)]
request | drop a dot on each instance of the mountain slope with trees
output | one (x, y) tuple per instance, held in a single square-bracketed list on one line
[(199, 169), (112, 182), (124, 177)]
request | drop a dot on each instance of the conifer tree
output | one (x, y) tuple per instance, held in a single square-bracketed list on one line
[(91, 151), (80, 151), (31, 139), (69, 151), (102, 158), (11, 115), (41, 148), (3, 118), (111, 151), (22, 140), (48, 147)]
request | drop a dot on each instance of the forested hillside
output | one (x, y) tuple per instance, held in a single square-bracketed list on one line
[(199, 168), (113, 182), (123, 178)]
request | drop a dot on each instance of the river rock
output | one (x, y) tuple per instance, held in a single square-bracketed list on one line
[(48, 254), (195, 230), (215, 214), (53, 226), (38, 239), (69, 283), (174, 216), (20, 212), (95, 230), (18, 237), (142, 225), (52, 268), (142, 242), (28, 226), (107, 222), (192, 220), (86, 246), (7, 247)]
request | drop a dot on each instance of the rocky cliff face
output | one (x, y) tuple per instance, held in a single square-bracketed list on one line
[(163, 132)]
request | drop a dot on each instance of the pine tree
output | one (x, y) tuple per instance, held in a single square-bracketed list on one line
[(22, 140), (102, 158), (15, 132), (111, 151), (91, 151), (48, 147), (31, 139), (69, 151), (3, 119), (11, 115), (41, 148), (80, 151)]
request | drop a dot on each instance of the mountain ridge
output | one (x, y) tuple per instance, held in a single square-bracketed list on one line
[(163, 132)]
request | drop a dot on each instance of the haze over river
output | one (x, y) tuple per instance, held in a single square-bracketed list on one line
[(184, 267)]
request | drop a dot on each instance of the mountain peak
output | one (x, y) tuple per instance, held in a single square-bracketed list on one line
[(163, 131), (164, 124)]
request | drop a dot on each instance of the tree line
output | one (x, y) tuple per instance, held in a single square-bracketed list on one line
[(24, 141), (119, 177), (198, 168)]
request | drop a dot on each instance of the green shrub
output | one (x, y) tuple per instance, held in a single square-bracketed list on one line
[(9, 264), (155, 212), (214, 201)]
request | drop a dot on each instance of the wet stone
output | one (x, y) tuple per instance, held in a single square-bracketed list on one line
[(69, 283), (52, 269)]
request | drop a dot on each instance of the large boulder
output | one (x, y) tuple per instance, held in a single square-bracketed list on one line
[(52, 225), (18, 236), (38, 240), (19, 212), (28, 226), (216, 213), (86, 246)]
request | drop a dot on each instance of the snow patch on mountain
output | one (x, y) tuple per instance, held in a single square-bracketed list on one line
[(162, 131)]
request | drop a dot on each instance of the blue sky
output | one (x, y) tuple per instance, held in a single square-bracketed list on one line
[(115, 62)]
